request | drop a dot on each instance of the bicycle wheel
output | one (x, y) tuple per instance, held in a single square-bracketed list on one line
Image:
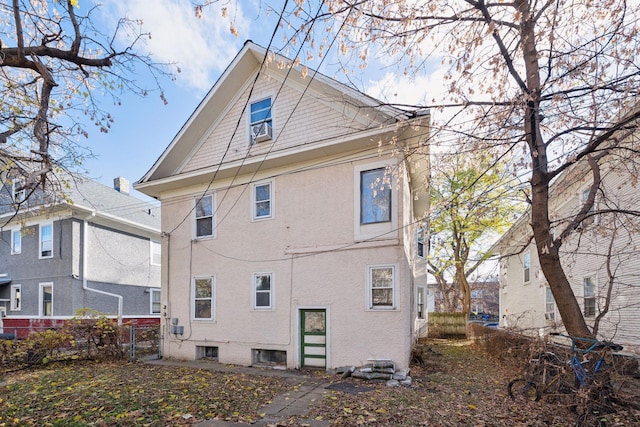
[(522, 390)]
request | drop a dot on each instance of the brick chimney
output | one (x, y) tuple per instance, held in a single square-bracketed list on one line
[(121, 184)]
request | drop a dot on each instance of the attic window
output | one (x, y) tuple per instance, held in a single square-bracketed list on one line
[(261, 123)]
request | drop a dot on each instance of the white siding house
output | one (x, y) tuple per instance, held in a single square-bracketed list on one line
[(600, 256), (291, 210)]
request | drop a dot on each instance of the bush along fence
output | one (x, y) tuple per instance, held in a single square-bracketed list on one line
[(447, 325), (88, 336)]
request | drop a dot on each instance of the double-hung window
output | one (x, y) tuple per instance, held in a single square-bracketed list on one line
[(421, 301), (263, 290), (18, 193), (46, 240), (381, 287), (155, 252), (155, 301), (16, 297), (589, 285), (526, 266), (420, 243), (46, 299), (205, 226), (375, 197), (203, 298), (260, 121), (262, 200), (16, 241), (549, 305), (590, 219)]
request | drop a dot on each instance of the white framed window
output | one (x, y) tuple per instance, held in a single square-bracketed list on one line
[(260, 121), (263, 290), (381, 286), (155, 301), (375, 201), (421, 300), (16, 297), (46, 299), (420, 248), (262, 200), (584, 195), (204, 217), (155, 252), (549, 304), (375, 197), (18, 193), (589, 294), (46, 240), (16, 241), (203, 296), (526, 266)]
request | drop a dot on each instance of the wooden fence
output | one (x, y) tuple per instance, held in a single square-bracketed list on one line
[(447, 325)]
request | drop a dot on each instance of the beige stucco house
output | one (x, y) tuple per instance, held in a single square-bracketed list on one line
[(293, 220), (600, 256)]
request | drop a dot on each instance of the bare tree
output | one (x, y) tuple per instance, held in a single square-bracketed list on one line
[(56, 68), (554, 81)]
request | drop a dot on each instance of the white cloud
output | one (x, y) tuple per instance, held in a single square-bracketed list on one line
[(201, 48), (421, 90)]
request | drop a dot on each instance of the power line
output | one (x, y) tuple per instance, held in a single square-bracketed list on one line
[(237, 126)]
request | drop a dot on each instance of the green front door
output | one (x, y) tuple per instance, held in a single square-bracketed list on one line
[(313, 338)]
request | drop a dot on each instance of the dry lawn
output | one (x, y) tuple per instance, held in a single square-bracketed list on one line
[(455, 386)]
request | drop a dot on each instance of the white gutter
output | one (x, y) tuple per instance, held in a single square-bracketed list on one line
[(85, 286), (114, 218)]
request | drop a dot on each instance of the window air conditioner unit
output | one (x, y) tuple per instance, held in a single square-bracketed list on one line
[(261, 132)]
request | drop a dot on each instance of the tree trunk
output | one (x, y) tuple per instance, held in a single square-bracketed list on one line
[(461, 278), (548, 253)]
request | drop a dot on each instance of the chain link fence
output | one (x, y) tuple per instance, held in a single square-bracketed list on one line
[(144, 341), (93, 339)]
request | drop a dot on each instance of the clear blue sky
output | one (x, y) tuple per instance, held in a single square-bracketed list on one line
[(144, 127)]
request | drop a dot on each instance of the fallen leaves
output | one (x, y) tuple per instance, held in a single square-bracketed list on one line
[(455, 387), (123, 394)]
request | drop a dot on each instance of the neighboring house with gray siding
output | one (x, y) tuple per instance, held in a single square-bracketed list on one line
[(96, 248), (295, 238), (599, 257)]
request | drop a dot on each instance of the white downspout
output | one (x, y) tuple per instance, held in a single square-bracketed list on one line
[(85, 286)]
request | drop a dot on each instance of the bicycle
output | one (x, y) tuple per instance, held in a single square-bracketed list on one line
[(584, 377)]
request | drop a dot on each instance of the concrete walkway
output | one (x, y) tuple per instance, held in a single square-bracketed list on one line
[(296, 402)]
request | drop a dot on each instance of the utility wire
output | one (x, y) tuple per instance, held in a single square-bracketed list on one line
[(237, 126)]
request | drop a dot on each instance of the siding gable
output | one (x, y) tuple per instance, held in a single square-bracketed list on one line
[(332, 117)]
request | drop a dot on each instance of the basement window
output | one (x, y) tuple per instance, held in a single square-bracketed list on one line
[(268, 357), (206, 352)]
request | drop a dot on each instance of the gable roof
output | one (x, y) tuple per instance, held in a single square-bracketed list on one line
[(104, 205), (108, 202), (370, 115)]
